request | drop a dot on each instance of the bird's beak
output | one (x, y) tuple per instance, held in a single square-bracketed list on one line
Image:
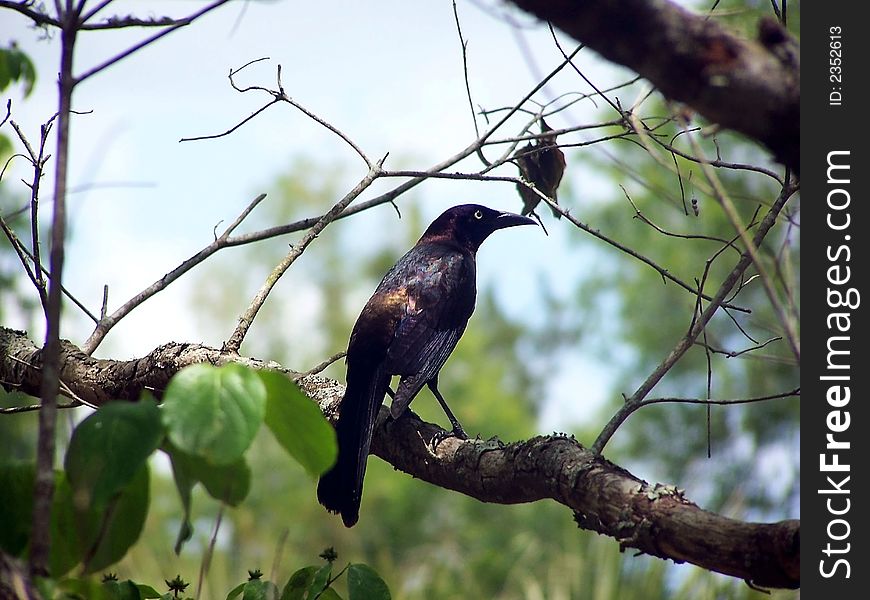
[(508, 219)]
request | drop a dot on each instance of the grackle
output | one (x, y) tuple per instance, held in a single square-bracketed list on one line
[(408, 328)]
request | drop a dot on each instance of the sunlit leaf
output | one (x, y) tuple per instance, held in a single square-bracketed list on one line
[(298, 424), (214, 412)]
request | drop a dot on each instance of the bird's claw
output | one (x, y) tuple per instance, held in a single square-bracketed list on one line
[(439, 437)]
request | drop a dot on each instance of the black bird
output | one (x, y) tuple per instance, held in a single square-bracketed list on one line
[(408, 328)]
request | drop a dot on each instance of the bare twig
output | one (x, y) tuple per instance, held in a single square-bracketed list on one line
[(321, 366), (788, 394), (38, 17), (464, 45), (280, 95), (205, 565), (26, 258), (787, 321), (11, 410), (636, 401), (246, 320), (176, 24), (106, 323), (666, 275)]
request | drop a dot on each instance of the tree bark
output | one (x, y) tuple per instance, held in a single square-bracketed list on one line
[(654, 519), (750, 86)]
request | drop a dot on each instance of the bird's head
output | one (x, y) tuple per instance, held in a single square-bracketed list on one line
[(470, 224)]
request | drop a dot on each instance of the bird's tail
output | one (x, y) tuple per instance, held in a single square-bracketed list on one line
[(340, 489)]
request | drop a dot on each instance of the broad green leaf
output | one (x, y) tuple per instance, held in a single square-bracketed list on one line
[(16, 500), (329, 594), (109, 447), (123, 525), (236, 591), (97, 536), (298, 424), (298, 583), (16, 65), (214, 412), (121, 590), (83, 587), (258, 589), (319, 581), (227, 483), (147, 592), (363, 583)]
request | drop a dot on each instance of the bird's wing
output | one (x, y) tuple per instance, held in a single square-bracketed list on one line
[(440, 300)]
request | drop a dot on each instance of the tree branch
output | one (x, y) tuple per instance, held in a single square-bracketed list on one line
[(637, 400), (750, 86), (655, 519)]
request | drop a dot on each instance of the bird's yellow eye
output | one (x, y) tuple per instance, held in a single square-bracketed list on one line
[(478, 214)]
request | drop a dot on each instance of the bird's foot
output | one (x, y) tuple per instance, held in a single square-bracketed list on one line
[(439, 437)]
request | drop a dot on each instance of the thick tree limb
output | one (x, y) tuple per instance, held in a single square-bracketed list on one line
[(750, 86), (605, 498)]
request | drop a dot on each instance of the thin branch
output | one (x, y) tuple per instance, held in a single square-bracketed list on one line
[(232, 129), (12, 410), (321, 366), (38, 17), (246, 320), (23, 256), (579, 72), (205, 565), (90, 14), (280, 95), (779, 396), (736, 353), (637, 399), (26, 258), (752, 248), (148, 41), (666, 275), (643, 218), (464, 45), (106, 323)]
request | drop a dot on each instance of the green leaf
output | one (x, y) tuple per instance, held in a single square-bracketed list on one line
[(258, 589), (82, 587), (109, 447), (123, 524), (227, 483), (363, 583), (298, 425), (329, 594), (236, 591), (214, 412), (16, 498), (319, 581), (147, 592), (298, 583), (96, 536), (16, 65), (121, 590)]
